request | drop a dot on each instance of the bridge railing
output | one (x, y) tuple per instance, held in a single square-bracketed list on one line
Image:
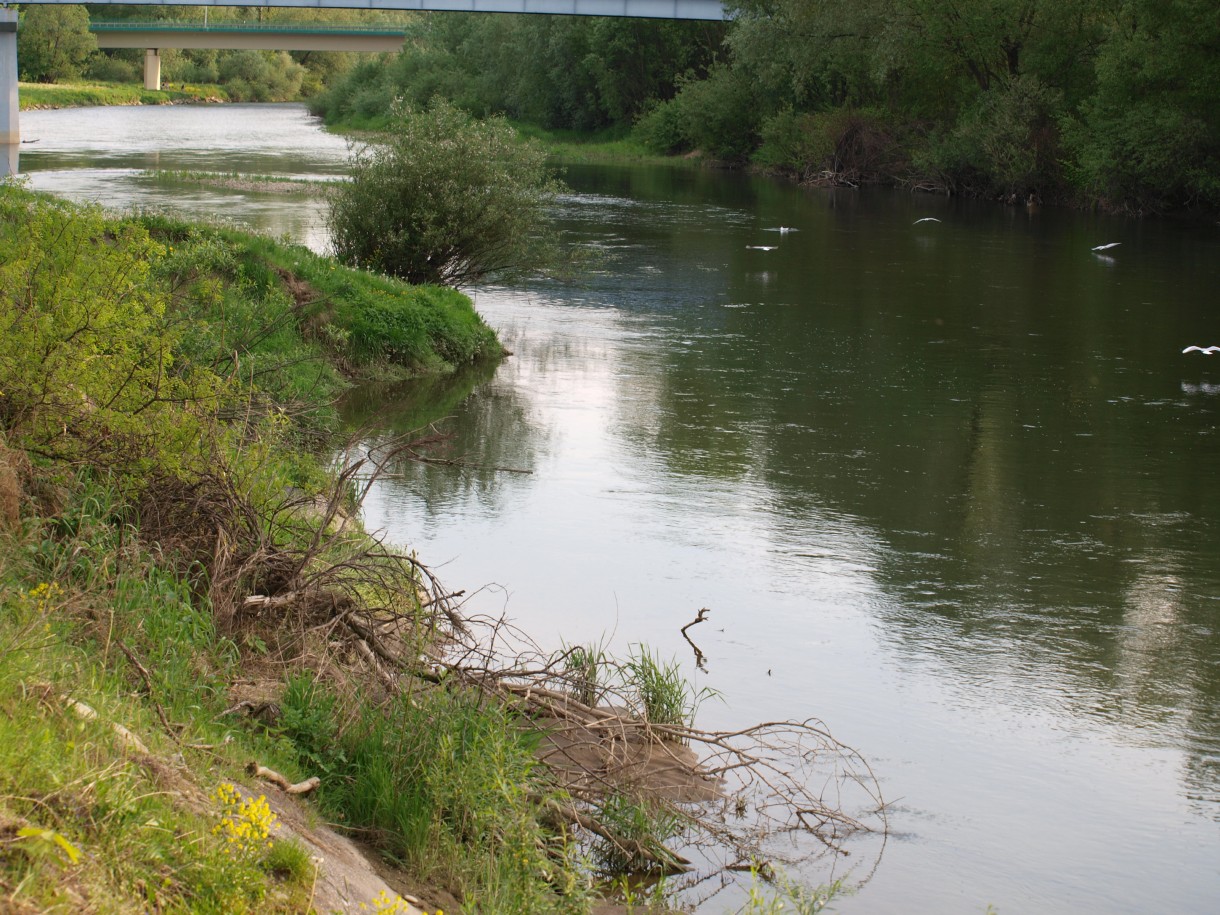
[(291, 28)]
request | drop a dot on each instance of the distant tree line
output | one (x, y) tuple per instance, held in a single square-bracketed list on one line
[(55, 45), (1108, 102)]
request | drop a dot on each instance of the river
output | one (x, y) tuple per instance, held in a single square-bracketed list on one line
[(951, 487)]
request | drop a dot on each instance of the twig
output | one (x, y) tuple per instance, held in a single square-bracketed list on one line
[(700, 659), (669, 860), (144, 675)]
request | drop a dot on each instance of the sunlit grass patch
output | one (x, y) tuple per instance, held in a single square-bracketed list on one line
[(82, 94)]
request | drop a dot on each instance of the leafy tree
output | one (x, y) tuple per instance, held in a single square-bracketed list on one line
[(54, 43), (720, 115), (1150, 137), (444, 199), (260, 76)]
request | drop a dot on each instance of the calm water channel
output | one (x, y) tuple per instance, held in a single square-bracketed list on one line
[(951, 487)]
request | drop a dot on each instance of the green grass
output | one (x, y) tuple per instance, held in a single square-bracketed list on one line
[(440, 780), (81, 94), (86, 822), (365, 325), (612, 146), (666, 697)]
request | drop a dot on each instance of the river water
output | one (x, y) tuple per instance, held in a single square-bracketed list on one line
[(951, 487)]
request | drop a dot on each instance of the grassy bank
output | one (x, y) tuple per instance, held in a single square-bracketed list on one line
[(611, 146), (163, 460), (82, 94)]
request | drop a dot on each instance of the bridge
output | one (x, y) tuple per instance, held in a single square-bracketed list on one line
[(10, 134), (263, 36)]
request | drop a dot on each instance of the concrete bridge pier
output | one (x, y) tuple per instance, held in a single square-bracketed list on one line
[(10, 130), (152, 68)]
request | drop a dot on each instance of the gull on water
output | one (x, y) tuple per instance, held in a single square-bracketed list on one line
[(1113, 244), (1205, 350), (925, 219)]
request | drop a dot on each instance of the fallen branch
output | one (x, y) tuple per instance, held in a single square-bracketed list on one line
[(126, 737), (660, 856), (270, 775), (147, 678)]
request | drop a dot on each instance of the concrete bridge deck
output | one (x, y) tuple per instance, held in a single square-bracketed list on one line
[(262, 36)]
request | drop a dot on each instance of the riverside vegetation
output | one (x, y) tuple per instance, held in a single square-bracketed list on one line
[(1112, 104), (183, 589)]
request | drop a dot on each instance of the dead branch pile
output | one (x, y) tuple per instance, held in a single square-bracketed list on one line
[(299, 568), (730, 790)]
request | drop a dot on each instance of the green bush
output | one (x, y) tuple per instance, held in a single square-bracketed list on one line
[(660, 129), (260, 76), (110, 69), (1006, 144), (445, 199), (719, 115), (87, 369)]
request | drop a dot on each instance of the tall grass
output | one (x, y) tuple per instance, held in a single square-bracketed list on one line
[(440, 780), (666, 697)]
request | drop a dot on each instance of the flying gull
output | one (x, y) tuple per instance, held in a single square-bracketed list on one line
[(1113, 244), (1205, 350)]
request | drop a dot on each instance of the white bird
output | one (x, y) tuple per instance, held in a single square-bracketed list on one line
[(1205, 350), (761, 247), (925, 219), (783, 230), (1113, 244)]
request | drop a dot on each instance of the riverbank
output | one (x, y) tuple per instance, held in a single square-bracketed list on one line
[(196, 630), (163, 460), (41, 96)]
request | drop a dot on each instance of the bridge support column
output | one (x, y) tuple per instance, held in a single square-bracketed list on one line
[(10, 132), (152, 68)]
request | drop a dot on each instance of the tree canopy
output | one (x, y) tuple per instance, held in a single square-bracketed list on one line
[(54, 43), (1111, 103)]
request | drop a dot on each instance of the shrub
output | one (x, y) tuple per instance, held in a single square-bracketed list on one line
[(719, 115), (260, 76), (660, 128), (86, 365), (445, 199), (109, 69), (1005, 144), (840, 146)]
